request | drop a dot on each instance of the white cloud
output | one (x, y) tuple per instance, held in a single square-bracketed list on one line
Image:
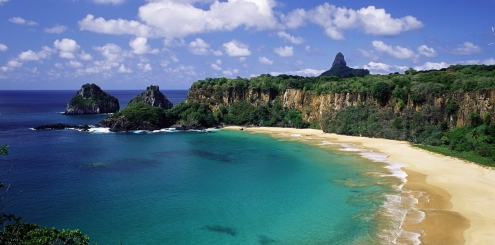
[(108, 1), (215, 67), (427, 51), (139, 46), (14, 63), (397, 51), (292, 39), (176, 19), (217, 52), (368, 54), (490, 61), (123, 69), (67, 48), (199, 47), (181, 18), (182, 69), (265, 61), (335, 20), (21, 21), (230, 72), (303, 72), (116, 27), (112, 53), (432, 66), (85, 56), (174, 42), (28, 56), (466, 48), (145, 67), (284, 51), (295, 19), (3, 47), (3, 1), (56, 29), (236, 48), (75, 64), (382, 68)]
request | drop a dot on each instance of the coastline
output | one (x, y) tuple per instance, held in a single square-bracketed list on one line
[(456, 196)]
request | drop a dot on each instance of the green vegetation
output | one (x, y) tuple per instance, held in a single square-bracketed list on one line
[(418, 83), (79, 101), (139, 112), (240, 113), (16, 232)]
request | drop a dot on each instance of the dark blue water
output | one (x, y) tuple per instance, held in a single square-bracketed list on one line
[(223, 187)]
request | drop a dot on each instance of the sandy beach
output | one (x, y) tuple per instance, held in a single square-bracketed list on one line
[(456, 196)]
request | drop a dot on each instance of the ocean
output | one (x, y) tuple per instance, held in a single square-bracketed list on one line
[(218, 187)]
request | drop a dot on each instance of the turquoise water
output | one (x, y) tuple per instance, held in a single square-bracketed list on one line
[(222, 187)]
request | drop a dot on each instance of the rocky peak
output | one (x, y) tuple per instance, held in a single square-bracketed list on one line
[(340, 68), (152, 96), (90, 99), (339, 60)]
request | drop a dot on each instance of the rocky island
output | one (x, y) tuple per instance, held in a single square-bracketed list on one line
[(90, 99), (340, 68), (152, 96), (145, 111)]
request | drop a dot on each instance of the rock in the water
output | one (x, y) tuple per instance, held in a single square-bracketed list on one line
[(340, 68), (59, 126), (90, 99), (152, 96)]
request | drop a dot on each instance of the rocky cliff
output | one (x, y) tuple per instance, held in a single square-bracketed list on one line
[(340, 68), (315, 107), (90, 99), (152, 96)]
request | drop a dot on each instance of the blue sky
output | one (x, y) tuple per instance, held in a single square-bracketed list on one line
[(131, 44)]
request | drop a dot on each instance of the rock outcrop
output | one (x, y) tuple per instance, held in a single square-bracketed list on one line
[(90, 99), (152, 96), (60, 126), (340, 68)]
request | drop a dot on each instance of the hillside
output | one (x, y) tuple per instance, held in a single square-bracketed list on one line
[(453, 107)]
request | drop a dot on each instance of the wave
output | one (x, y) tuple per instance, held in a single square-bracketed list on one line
[(397, 206)]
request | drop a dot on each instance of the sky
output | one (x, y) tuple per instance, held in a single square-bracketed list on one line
[(131, 44)]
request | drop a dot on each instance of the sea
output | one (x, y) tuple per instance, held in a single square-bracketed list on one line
[(191, 187)]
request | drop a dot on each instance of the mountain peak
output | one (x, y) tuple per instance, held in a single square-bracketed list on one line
[(339, 60), (340, 68)]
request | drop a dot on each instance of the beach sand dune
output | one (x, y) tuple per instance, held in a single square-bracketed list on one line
[(457, 197)]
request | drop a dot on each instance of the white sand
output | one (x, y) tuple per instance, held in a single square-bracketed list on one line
[(471, 187)]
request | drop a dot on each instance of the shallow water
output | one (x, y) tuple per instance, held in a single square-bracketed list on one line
[(223, 187)]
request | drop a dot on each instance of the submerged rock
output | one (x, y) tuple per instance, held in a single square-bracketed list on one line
[(340, 68), (152, 96), (90, 99)]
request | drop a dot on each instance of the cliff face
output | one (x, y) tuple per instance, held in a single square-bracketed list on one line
[(316, 107), (90, 99), (152, 96)]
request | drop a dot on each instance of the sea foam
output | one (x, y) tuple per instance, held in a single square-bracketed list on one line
[(396, 206)]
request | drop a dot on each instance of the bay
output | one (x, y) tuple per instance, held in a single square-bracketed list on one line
[(223, 187)]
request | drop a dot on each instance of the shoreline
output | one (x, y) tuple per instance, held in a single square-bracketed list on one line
[(456, 196)]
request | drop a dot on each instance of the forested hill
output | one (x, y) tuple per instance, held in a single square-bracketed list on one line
[(428, 107)]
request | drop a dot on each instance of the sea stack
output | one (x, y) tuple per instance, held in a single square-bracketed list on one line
[(90, 99), (340, 68), (152, 96)]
